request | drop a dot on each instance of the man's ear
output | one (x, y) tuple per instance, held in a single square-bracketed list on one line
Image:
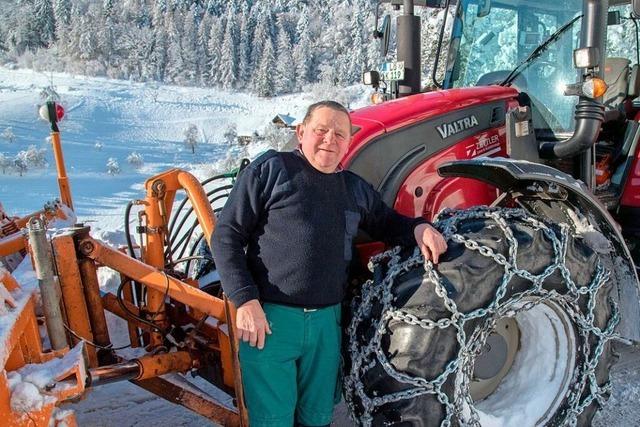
[(300, 131)]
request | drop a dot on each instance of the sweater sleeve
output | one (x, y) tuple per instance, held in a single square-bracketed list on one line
[(235, 224), (383, 223)]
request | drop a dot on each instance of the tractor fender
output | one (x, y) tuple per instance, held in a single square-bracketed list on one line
[(537, 183)]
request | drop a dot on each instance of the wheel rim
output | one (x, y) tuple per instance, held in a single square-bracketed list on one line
[(532, 382)]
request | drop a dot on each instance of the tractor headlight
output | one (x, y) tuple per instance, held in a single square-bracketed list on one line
[(371, 78)]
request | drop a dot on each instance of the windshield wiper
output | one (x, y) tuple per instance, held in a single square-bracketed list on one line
[(538, 51)]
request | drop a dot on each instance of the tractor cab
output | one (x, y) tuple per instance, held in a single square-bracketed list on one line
[(529, 45)]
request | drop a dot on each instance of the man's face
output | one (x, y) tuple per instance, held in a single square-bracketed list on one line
[(325, 138)]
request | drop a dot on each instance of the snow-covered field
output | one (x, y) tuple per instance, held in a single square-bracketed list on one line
[(121, 118)]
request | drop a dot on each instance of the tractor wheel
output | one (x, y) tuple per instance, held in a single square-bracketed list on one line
[(511, 328)]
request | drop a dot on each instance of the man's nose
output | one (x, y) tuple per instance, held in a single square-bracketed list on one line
[(330, 136)]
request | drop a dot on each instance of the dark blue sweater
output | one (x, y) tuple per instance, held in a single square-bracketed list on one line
[(297, 225)]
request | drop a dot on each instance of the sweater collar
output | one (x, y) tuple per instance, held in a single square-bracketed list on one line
[(299, 152)]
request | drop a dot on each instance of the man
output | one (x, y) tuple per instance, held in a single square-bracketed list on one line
[(296, 214)]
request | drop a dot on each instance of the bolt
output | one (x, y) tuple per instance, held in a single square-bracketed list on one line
[(86, 247)]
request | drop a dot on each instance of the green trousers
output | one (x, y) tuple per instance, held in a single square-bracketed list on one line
[(295, 376)]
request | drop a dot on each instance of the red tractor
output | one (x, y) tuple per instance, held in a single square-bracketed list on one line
[(535, 118)]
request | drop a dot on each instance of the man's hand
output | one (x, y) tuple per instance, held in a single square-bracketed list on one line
[(252, 324), (430, 242)]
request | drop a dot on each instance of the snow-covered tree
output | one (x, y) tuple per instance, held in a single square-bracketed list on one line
[(228, 54), (244, 47), (188, 46), (284, 77), (62, 13), (33, 157), (276, 137), (49, 93), (113, 167), (44, 21), (191, 134), (214, 49), (263, 83), (5, 163), (8, 134), (135, 159), (230, 133), (19, 165)]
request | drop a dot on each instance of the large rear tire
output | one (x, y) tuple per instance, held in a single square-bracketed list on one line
[(512, 327)]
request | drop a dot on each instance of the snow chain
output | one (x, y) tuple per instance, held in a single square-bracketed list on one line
[(461, 408)]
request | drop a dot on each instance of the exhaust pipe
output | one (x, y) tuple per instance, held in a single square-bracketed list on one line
[(409, 50), (589, 113)]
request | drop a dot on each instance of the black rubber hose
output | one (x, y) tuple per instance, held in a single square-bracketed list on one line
[(184, 201), (175, 232), (185, 238), (127, 213)]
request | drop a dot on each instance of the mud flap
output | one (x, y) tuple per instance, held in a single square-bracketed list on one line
[(535, 181)]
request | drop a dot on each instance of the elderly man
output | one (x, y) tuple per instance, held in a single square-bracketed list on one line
[(296, 214)]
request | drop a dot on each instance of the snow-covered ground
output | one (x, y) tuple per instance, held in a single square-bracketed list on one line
[(150, 119)]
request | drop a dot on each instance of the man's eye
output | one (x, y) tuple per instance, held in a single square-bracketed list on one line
[(321, 131)]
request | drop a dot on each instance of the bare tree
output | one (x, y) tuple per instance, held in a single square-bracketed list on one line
[(135, 159), (191, 137), (113, 168), (8, 135)]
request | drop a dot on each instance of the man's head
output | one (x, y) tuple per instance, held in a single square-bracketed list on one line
[(324, 135)]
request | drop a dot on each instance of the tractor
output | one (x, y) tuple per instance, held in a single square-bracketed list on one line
[(532, 114), (525, 156)]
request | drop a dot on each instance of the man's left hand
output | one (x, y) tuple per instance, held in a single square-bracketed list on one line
[(430, 242)]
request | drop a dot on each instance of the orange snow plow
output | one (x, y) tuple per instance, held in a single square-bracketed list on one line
[(54, 337)]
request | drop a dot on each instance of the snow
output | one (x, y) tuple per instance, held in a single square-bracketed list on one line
[(121, 119), (108, 118), (26, 397), (538, 372)]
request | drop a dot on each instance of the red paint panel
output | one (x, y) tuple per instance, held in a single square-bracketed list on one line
[(631, 194), (391, 115), (438, 193)]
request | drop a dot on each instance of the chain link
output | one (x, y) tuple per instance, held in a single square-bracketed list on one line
[(459, 408)]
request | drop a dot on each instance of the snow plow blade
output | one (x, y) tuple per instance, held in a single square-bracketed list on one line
[(533, 183)]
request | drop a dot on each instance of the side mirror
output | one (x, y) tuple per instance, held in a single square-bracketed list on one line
[(484, 8), (636, 7), (386, 34)]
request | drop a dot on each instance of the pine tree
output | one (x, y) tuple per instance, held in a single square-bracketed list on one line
[(214, 7), (107, 8), (263, 83), (62, 12), (303, 59), (228, 54), (158, 55), (244, 51), (189, 44), (260, 37), (44, 22), (175, 65), (214, 48), (303, 56), (202, 53), (284, 77), (356, 58)]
